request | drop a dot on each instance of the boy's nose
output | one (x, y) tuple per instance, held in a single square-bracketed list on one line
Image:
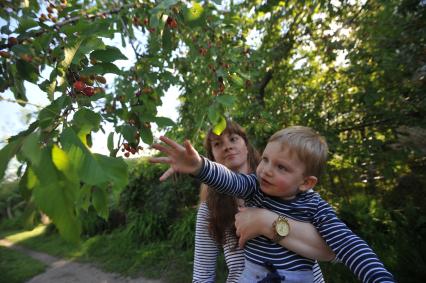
[(267, 170)]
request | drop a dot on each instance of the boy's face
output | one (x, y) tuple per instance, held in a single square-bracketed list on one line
[(280, 173)]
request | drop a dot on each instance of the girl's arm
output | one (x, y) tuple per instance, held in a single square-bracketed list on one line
[(206, 249), (303, 239)]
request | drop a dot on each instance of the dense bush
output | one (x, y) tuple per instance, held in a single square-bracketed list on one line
[(154, 210)]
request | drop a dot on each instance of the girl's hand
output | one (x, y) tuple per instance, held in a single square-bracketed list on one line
[(250, 223), (182, 159)]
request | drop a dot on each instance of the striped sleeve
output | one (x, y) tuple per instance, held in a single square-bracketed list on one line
[(227, 182), (234, 258), (318, 278), (206, 249), (348, 247)]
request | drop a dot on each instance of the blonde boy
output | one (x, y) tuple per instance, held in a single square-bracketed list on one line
[(290, 167)]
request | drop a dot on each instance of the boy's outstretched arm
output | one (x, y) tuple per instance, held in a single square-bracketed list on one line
[(182, 159)]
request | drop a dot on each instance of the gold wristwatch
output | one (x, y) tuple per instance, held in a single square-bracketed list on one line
[(281, 228)]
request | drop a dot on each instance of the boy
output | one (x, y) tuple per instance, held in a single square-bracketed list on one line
[(290, 166)]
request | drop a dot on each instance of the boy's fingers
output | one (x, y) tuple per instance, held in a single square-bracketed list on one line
[(189, 148), (167, 174), (171, 142), (162, 148), (160, 160)]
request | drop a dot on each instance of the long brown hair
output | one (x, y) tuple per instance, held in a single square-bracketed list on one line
[(223, 207)]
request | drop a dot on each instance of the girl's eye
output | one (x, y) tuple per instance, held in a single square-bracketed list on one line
[(234, 138), (216, 144)]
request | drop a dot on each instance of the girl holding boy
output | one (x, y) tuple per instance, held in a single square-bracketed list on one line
[(290, 167)]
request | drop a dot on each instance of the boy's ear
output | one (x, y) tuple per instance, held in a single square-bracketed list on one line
[(309, 183)]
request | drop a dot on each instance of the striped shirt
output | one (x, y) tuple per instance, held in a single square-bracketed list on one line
[(207, 251), (307, 207)]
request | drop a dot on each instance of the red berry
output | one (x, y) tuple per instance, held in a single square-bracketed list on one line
[(171, 23), (11, 41), (79, 85), (147, 89), (89, 91), (127, 154)]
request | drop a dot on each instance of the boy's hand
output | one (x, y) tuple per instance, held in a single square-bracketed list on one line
[(182, 159)]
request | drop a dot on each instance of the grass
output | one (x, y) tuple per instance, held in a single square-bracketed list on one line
[(16, 267), (114, 253)]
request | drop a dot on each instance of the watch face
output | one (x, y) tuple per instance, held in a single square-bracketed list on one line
[(282, 228)]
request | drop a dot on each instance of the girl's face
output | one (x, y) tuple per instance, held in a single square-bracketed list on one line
[(231, 151)]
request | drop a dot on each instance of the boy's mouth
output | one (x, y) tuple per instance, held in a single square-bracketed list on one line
[(264, 182)]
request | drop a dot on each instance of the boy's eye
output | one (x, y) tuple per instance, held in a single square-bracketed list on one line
[(282, 167)]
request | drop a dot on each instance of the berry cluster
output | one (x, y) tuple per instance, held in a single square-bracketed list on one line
[(127, 149), (51, 12), (83, 85), (171, 23)]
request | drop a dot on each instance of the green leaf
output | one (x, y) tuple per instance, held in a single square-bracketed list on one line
[(110, 54), (146, 135), (163, 5), (25, 24), (100, 69), (154, 21), (87, 28), (20, 50), (167, 40), (27, 71), (193, 15), (69, 53), (31, 148), (226, 100), (214, 113), (50, 113), (220, 127), (87, 46), (163, 121), (56, 197), (84, 197), (100, 202), (128, 133), (18, 90), (93, 169), (110, 142), (63, 163), (115, 170), (87, 120), (237, 80)]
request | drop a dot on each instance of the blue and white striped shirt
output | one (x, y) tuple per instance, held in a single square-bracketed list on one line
[(307, 207)]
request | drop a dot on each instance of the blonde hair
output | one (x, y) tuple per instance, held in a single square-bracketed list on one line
[(309, 146)]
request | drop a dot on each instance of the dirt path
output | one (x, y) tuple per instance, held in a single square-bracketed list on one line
[(66, 271)]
